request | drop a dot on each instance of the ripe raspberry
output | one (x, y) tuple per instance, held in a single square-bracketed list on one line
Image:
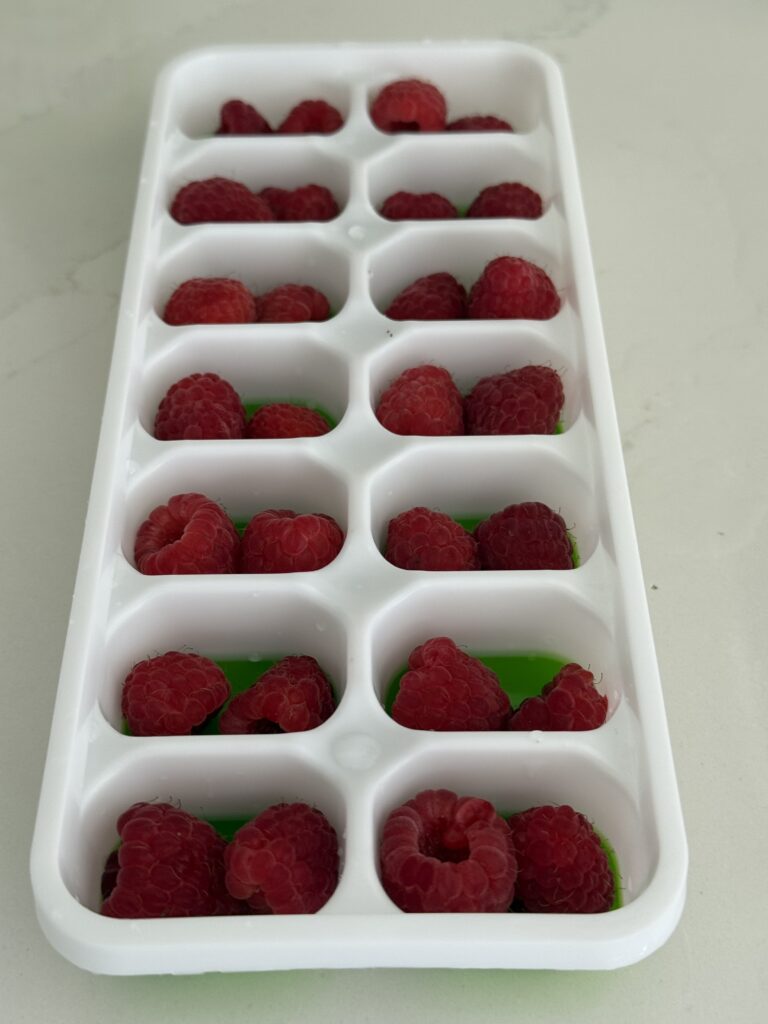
[(285, 861), (511, 288), (562, 867), (169, 864), (479, 123), (191, 534), (528, 400), (210, 300), (279, 540), (569, 701), (202, 405), (239, 118), (172, 694), (314, 116), (417, 206), (510, 199), (447, 690), (218, 199), (292, 303), (434, 297), (441, 853), (525, 536), (409, 105), (423, 539), (423, 400), (281, 419), (292, 696), (310, 202)]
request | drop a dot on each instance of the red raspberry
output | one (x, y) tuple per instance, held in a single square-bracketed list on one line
[(292, 303), (172, 694), (434, 297), (423, 400), (279, 540), (210, 300), (511, 288), (239, 118), (480, 123), (169, 864), (314, 116), (528, 400), (310, 202), (423, 539), (446, 690), (526, 536), (285, 861), (510, 199), (569, 702), (418, 206), (563, 868), (441, 853), (281, 419), (292, 696), (191, 534), (200, 406), (409, 105), (218, 199)]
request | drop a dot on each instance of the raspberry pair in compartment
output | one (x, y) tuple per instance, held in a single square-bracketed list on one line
[(224, 300), (528, 535), (441, 853), (204, 406), (413, 105), (179, 693), (172, 864), (222, 200), (192, 534), (507, 199), (425, 401), (312, 116), (509, 288)]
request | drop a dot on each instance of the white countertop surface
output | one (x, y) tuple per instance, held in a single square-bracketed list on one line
[(668, 110)]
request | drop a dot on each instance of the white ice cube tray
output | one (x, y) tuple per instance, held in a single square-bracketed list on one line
[(359, 616)]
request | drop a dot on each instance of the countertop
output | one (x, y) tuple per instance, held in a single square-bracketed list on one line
[(668, 111)]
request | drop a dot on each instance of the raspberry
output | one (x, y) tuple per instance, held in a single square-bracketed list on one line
[(292, 696), (510, 199), (239, 118), (279, 540), (409, 105), (526, 536), (423, 400), (310, 202), (285, 861), (569, 701), (172, 694), (441, 853), (528, 400), (281, 419), (210, 300), (480, 123), (315, 116), (218, 199), (446, 690), (292, 303), (434, 297), (169, 864), (563, 868), (191, 534), (423, 539), (417, 206), (511, 288), (200, 406)]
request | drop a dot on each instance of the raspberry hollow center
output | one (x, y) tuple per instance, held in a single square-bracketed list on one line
[(448, 844)]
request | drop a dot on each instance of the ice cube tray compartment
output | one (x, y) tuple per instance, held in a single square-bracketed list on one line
[(359, 616)]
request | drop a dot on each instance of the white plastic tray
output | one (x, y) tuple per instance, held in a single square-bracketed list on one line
[(359, 616)]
